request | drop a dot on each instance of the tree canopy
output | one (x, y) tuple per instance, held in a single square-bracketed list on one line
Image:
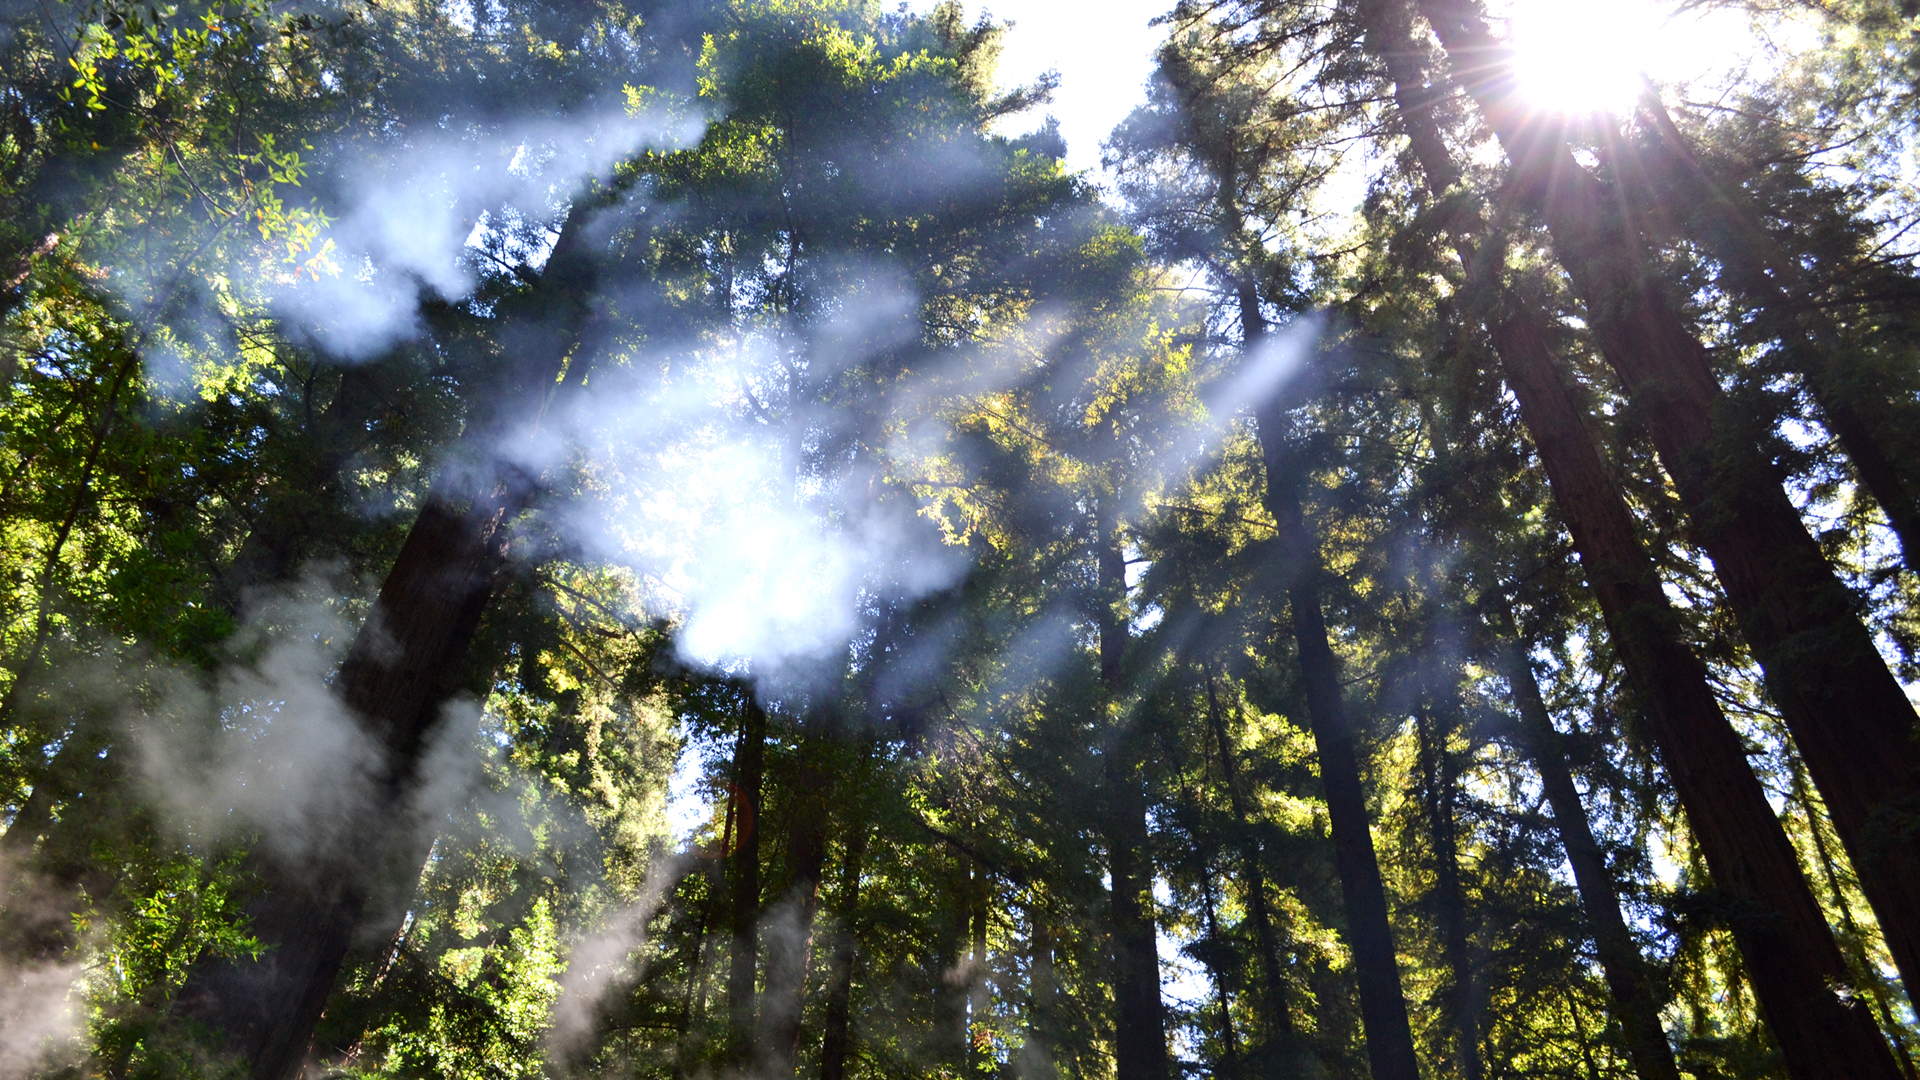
[(678, 538)]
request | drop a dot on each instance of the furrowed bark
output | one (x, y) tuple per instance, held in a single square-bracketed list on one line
[(1863, 417), (1849, 717), (1369, 934), (1140, 1042), (1790, 951), (790, 946), (1629, 982)]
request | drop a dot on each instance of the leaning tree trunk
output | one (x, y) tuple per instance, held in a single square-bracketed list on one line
[(1870, 420), (1790, 951), (1629, 982), (1849, 716), (1369, 934), (1140, 1042), (398, 673)]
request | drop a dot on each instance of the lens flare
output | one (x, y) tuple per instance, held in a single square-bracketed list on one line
[(1581, 57)]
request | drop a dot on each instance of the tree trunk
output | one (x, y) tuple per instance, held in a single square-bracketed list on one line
[(1229, 1067), (1849, 717), (1369, 934), (1856, 407), (1274, 1010), (397, 674), (743, 919), (1631, 985), (1449, 898), (1790, 951), (1140, 1042), (394, 678), (838, 1037), (790, 925)]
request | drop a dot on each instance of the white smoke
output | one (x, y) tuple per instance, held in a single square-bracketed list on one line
[(412, 213), (601, 964), (698, 484), (39, 1019), (266, 748)]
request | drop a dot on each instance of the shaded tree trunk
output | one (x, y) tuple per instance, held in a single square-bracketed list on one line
[(1274, 1010), (1631, 985), (1369, 934), (1854, 404), (398, 672), (1790, 952), (837, 1038), (1140, 1042), (743, 879), (790, 926), (1850, 719), (1449, 898)]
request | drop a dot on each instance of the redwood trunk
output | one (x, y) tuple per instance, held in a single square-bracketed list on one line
[(743, 917), (1369, 934), (790, 947), (838, 1037), (1631, 985), (398, 673), (1849, 717), (1449, 896), (1791, 955), (1140, 1042), (1275, 1013)]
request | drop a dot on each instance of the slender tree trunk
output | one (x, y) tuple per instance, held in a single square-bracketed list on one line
[(1850, 719), (743, 918), (1450, 901), (838, 1037), (1229, 1066), (1140, 1042), (1631, 985), (1275, 1013), (1369, 934), (790, 942), (1782, 933), (1036, 1057)]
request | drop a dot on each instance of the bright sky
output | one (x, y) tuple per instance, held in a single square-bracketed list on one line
[(1103, 52)]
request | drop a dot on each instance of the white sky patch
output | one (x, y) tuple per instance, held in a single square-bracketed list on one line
[(1580, 56), (1104, 55)]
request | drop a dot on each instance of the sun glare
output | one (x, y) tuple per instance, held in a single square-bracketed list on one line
[(1589, 56)]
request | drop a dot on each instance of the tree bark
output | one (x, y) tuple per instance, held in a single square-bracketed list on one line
[(837, 1039), (1449, 897), (1140, 1042), (1860, 413), (790, 944), (1849, 717), (1631, 985), (1369, 933), (743, 879)]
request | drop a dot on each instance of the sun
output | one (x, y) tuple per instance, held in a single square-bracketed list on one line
[(1582, 57)]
